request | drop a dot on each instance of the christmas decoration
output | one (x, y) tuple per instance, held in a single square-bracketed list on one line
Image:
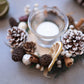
[(30, 47), (62, 54), (34, 59), (13, 22), (16, 37), (26, 60), (71, 20), (45, 60), (68, 61), (22, 25), (38, 66), (42, 68), (23, 18), (73, 42), (82, 29), (18, 53), (27, 9)]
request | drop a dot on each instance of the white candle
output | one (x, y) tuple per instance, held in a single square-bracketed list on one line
[(47, 29)]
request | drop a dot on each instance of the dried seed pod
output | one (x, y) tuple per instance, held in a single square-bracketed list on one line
[(13, 22), (34, 59), (30, 47), (71, 20), (82, 29), (68, 61)]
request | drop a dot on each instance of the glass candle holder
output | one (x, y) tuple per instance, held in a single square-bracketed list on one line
[(47, 24)]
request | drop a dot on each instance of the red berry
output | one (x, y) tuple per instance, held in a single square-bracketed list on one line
[(23, 18)]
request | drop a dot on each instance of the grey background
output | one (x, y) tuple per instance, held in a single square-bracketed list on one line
[(17, 73)]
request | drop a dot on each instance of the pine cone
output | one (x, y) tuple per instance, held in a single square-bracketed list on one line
[(73, 41), (16, 37), (13, 22), (71, 20), (81, 2), (30, 47), (82, 29)]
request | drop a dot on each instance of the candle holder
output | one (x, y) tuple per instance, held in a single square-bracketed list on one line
[(47, 14)]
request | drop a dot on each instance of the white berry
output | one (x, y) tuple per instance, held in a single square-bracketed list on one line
[(59, 62), (59, 65), (36, 53), (25, 59), (68, 54), (36, 5), (11, 50), (27, 11), (38, 66), (63, 53), (71, 26), (42, 69), (22, 25), (72, 59)]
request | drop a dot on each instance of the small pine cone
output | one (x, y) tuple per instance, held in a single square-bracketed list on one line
[(82, 29), (18, 54), (30, 47), (73, 41), (71, 20), (16, 37), (13, 22)]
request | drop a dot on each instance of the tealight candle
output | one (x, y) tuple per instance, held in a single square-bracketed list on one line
[(47, 24), (47, 29)]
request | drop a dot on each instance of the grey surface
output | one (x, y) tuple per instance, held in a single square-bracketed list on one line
[(17, 73)]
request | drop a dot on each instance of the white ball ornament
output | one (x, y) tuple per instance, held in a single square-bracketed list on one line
[(59, 65), (72, 59), (27, 11), (25, 59), (22, 25), (42, 69), (71, 26), (38, 66), (59, 62)]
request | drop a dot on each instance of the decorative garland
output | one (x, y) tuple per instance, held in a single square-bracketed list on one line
[(61, 55)]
